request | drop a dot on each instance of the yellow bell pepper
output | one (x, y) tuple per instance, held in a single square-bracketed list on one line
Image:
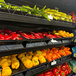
[(0, 73), (21, 55), (29, 56), (38, 53), (31, 53), (42, 59), (15, 63), (35, 62), (28, 63), (5, 63), (35, 58), (14, 55), (6, 71)]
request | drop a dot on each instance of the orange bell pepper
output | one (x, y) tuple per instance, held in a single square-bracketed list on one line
[(54, 56), (58, 55), (61, 52), (68, 52), (49, 59)]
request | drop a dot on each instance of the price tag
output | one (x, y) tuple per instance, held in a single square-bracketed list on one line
[(53, 63), (36, 44), (0, 6), (54, 41), (16, 46), (50, 17)]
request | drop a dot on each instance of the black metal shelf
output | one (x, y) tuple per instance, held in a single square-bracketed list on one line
[(34, 20), (16, 48), (42, 67)]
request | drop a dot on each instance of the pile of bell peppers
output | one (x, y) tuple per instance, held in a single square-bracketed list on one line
[(19, 35), (61, 70), (10, 35)]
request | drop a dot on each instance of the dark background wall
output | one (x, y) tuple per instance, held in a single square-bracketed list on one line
[(64, 5)]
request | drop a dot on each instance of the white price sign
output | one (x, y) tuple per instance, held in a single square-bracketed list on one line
[(0, 6), (54, 41), (50, 17), (53, 63)]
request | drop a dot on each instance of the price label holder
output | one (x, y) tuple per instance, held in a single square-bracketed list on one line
[(14, 46), (53, 63), (66, 41), (28, 45), (3, 48), (50, 43)]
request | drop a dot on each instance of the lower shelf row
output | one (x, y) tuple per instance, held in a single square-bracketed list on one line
[(61, 70), (34, 62)]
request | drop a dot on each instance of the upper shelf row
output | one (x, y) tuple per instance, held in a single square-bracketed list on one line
[(15, 13)]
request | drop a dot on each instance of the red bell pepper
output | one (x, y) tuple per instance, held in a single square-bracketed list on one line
[(7, 37), (66, 72), (15, 36), (45, 34), (47, 73), (63, 67), (25, 35), (37, 36), (41, 35), (51, 36), (55, 71), (62, 73), (1, 37), (31, 36), (59, 68), (67, 66), (58, 36), (20, 38), (69, 70), (41, 74), (58, 74)]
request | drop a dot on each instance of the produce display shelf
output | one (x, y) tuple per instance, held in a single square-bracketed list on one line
[(14, 48), (34, 20), (42, 67)]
